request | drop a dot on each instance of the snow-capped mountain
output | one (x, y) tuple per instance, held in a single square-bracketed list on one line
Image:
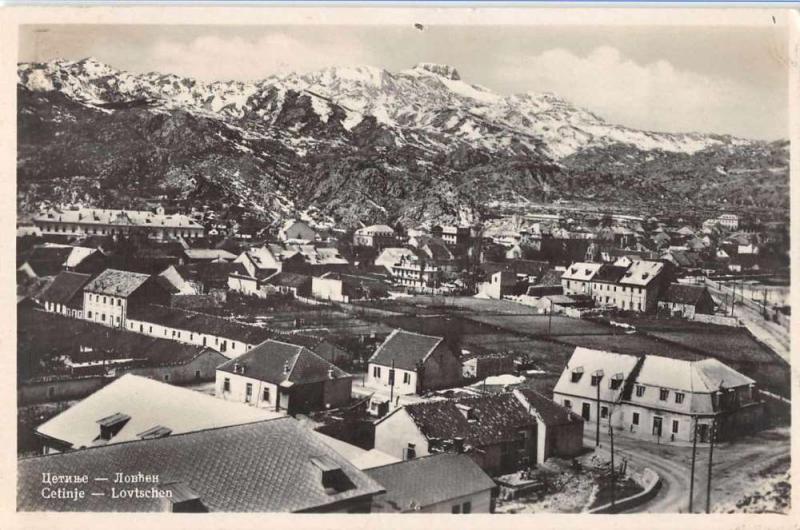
[(422, 123)]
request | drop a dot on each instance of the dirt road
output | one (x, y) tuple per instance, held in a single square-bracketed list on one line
[(736, 466)]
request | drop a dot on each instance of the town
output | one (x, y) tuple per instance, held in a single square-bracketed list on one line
[(555, 358)]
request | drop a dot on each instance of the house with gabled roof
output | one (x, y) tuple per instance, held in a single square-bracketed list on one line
[(641, 285), (109, 297), (283, 377), (686, 300), (297, 230), (137, 408), (65, 294), (374, 236), (439, 483), (275, 465), (412, 363), (578, 276), (659, 398)]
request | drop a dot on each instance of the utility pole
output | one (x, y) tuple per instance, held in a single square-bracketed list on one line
[(613, 471), (599, 375), (710, 458), (549, 319), (391, 384), (694, 456)]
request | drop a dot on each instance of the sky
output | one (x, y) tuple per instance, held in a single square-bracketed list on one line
[(726, 80)]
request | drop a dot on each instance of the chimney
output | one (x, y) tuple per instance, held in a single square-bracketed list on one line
[(286, 368), (332, 476), (182, 499)]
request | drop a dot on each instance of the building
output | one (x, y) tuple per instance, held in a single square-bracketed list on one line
[(559, 431), (640, 286), (578, 277), (137, 408), (416, 273), (196, 255), (374, 236), (452, 235), (109, 297), (659, 398), (283, 377), (604, 285), (290, 283), (189, 327), (65, 294), (440, 483), (392, 255), (412, 363), (268, 466), (729, 221), (495, 430), (686, 300), (94, 221), (294, 230), (339, 287), (500, 284)]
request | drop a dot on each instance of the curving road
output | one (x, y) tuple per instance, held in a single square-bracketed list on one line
[(735, 467)]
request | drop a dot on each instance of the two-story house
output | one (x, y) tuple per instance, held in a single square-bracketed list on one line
[(412, 363), (283, 377), (374, 236), (578, 277), (108, 298)]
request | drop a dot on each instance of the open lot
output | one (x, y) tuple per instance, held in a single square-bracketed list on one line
[(543, 325)]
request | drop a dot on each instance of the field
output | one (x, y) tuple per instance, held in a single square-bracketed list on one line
[(633, 344), (543, 325)]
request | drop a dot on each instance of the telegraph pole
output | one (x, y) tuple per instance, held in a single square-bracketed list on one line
[(391, 385), (710, 458), (694, 456), (613, 471), (599, 375), (550, 319)]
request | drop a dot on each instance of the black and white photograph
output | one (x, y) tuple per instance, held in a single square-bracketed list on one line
[(444, 262)]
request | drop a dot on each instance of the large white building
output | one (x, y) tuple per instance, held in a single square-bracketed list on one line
[(659, 398), (102, 222)]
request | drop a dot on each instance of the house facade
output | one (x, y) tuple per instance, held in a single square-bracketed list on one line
[(686, 300), (412, 363), (374, 236), (415, 273), (283, 377), (658, 398), (295, 230), (578, 277), (94, 221), (108, 297)]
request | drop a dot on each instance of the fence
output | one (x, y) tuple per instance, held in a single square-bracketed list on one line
[(717, 319)]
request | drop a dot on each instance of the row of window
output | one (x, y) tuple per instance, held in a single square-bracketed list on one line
[(105, 299), (103, 317), (248, 390), (604, 287), (176, 334), (376, 373), (586, 414), (615, 383)]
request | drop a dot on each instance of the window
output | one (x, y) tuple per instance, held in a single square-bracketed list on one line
[(576, 375), (639, 390), (410, 452), (119, 301), (248, 392), (226, 385), (456, 508), (197, 374), (635, 420), (117, 320), (406, 378), (89, 314), (679, 397), (104, 300), (265, 394), (663, 394), (675, 426), (615, 383), (596, 380), (151, 329), (141, 328), (376, 371), (103, 317), (604, 412), (568, 404), (166, 377), (466, 507)]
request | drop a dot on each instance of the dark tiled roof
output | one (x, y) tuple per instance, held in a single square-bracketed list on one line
[(498, 418), (48, 253), (200, 323), (210, 273), (518, 266), (265, 466), (609, 274), (288, 279), (405, 348), (117, 283), (45, 267), (551, 412), (551, 277), (276, 362), (428, 480), (40, 333), (678, 293), (65, 287)]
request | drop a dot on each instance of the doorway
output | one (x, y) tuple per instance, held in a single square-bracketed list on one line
[(586, 411), (657, 426)]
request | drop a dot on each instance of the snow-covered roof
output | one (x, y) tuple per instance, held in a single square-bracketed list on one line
[(375, 229), (587, 361), (581, 271), (148, 404), (99, 216), (704, 376), (77, 255), (642, 272)]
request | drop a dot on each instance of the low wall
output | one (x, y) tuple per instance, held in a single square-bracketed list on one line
[(44, 391), (717, 319), (651, 483)]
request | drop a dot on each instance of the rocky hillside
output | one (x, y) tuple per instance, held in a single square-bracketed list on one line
[(356, 144)]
